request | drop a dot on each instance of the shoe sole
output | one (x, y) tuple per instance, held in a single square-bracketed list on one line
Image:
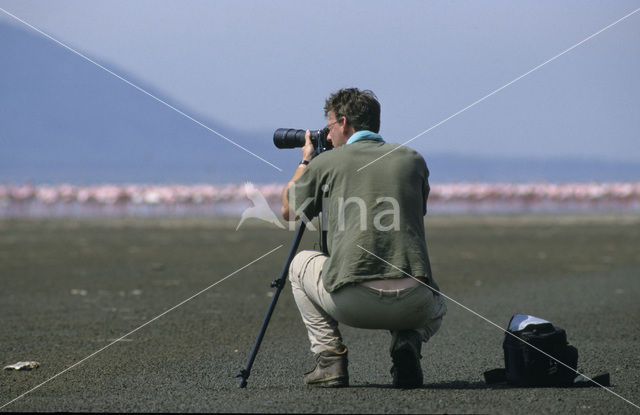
[(332, 383)]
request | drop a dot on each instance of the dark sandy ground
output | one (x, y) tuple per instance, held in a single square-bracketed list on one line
[(580, 272)]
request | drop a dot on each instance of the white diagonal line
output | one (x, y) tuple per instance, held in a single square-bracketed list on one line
[(500, 328), (140, 89), (502, 87), (145, 324)]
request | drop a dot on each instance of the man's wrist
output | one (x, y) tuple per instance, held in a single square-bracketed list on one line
[(303, 162)]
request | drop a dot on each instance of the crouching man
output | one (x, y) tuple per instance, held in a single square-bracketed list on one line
[(377, 273)]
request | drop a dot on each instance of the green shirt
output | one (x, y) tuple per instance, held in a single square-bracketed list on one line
[(380, 208)]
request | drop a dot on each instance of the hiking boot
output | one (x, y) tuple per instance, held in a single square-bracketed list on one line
[(330, 371), (405, 354)]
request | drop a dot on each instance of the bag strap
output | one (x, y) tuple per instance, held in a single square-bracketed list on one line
[(602, 379), (499, 375)]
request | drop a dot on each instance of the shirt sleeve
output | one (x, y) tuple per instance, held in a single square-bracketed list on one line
[(305, 194), (425, 188)]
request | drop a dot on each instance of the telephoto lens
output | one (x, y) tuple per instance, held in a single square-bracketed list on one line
[(292, 138), (289, 138)]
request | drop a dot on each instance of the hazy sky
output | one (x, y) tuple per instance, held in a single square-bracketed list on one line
[(263, 65)]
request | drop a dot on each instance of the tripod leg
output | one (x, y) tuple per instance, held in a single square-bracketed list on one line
[(278, 284)]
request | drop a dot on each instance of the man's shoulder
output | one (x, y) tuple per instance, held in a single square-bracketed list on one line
[(366, 150), (401, 148), (379, 146), (401, 153), (326, 158)]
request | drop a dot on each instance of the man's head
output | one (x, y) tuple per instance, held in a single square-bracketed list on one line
[(350, 110)]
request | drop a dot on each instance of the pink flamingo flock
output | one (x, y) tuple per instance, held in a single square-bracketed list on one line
[(231, 199)]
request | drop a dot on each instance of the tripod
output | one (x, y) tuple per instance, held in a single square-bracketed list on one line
[(278, 284)]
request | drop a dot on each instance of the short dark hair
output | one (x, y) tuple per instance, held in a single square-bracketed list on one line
[(360, 108)]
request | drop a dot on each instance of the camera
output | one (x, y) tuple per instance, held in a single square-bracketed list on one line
[(292, 138)]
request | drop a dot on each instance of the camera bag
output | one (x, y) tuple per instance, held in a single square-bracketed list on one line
[(537, 353), (526, 366)]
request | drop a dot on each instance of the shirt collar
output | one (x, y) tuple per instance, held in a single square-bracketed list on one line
[(364, 135)]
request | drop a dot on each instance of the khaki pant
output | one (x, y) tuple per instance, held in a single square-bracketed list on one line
[(358, 305)]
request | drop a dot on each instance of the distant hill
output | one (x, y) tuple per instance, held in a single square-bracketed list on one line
[(62, 119)]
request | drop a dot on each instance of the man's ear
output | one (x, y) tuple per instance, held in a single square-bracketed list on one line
[(347, 129)]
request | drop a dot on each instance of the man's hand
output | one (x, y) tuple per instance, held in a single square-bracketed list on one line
[(308, 150)]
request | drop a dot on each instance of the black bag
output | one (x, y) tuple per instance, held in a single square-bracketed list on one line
[(526, 366), (536, 353)]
